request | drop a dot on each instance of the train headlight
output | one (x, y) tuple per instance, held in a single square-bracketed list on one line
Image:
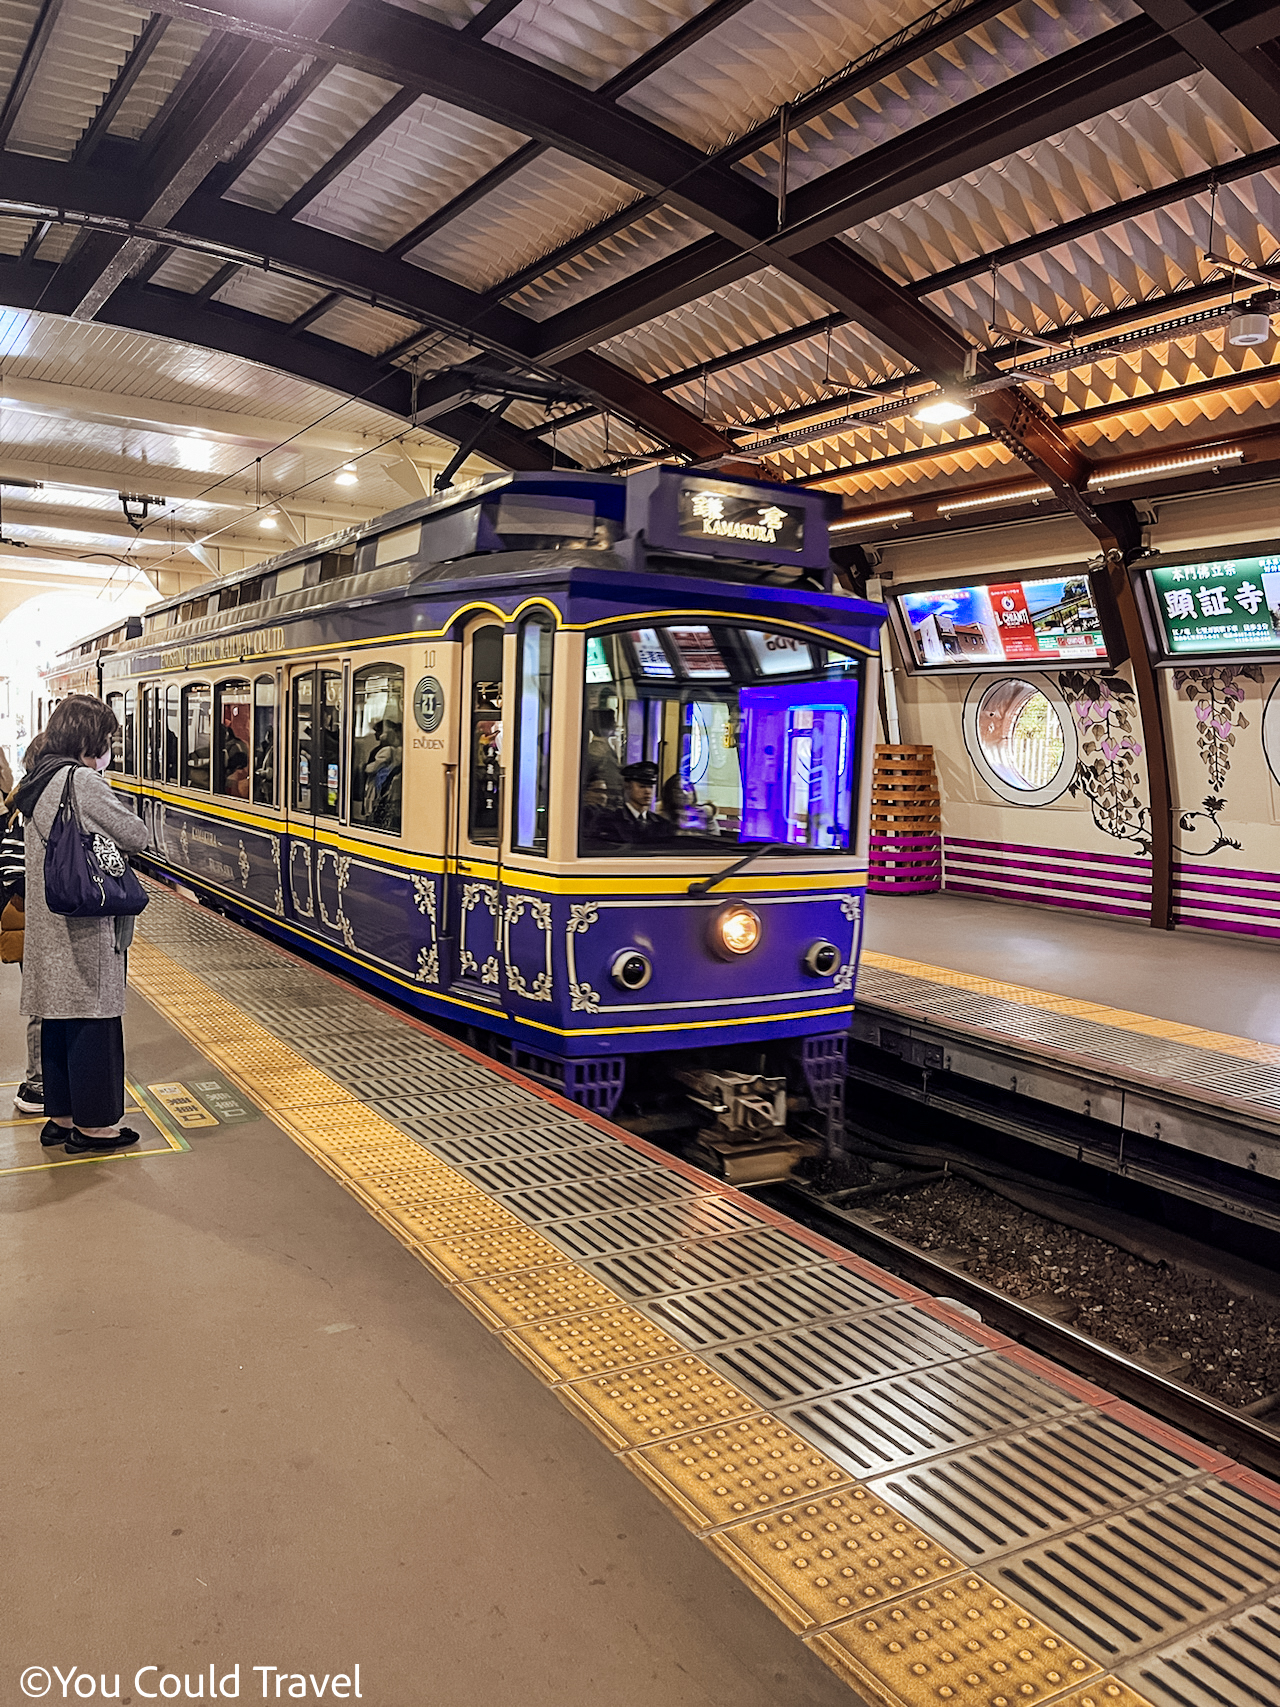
[(631, 970), (822, 959), (734, 930)]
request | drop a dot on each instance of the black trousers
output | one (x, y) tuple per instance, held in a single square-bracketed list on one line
[(84, 1070)]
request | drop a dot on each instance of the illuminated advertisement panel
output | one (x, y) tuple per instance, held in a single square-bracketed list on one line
[(1228, 608), (1011, 621)]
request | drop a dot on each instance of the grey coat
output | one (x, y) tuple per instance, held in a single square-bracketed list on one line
[(70, 967)]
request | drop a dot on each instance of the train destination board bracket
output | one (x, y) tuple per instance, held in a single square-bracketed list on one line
[(1224, 607), (1027, 621)]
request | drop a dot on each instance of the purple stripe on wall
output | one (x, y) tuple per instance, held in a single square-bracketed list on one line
[(1079, 906), (1233, 928), (1271, 877), (1014, 884), (1224, 889), (1050, 853), (1139, 880)]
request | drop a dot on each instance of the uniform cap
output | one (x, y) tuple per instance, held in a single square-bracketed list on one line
[(643, 771)]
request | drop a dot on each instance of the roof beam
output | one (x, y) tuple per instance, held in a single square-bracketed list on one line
[(1249, 76)]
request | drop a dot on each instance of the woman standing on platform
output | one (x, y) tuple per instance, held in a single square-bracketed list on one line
[(73, 972)]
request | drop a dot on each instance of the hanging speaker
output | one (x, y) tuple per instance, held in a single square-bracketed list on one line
[(1247, 329)]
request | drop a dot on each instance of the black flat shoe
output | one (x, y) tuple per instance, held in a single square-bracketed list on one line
[(51, 1133), (79, 1145)]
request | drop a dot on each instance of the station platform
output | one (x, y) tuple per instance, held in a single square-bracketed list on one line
[(587, 1426), (1100, 1018)]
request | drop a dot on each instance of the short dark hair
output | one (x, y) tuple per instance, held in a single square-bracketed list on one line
[(34, 750), (81, 727)]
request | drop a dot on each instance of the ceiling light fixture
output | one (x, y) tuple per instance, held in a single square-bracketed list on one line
[(347, 476), (268, 522), (1245, 330), (885, 516), (1014, 495), (1165, 465), (941, 409)]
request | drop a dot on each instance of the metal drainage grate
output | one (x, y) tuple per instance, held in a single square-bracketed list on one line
[(649, 1273), (1236, 1664), (668, 1224), (911, 1417), (816, 1360), (1027, 1487), (493, 1146), (603, 1161), (1152, 1576), (588, 1197), (765, 1304)]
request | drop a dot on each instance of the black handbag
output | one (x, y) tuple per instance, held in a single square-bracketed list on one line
[(85, 874)]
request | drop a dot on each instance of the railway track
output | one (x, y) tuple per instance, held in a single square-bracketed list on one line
[(1227, 1429)]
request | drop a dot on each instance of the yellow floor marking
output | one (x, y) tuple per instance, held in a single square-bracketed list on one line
[(963, 1642), (172, 1145), (39, 1119), (822, 1562), (188, 1111), (727, 1474), (1224, 1043), (595, 1344), (708, 1449)]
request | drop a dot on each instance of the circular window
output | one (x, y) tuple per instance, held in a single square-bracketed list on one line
[(1021, 738), (1271, 731)]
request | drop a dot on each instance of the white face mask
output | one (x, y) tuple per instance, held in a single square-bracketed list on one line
[(102, 763)]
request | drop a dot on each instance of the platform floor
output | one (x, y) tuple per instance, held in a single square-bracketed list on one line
[(1196, 978), (532, 1447)]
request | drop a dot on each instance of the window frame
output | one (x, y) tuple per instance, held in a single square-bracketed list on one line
[(522, 809), (357, 820), (217, 756), (1060, 781), (272, 795), (192, 690)]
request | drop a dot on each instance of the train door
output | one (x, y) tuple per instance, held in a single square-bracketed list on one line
[(314, 797), (474, 904)]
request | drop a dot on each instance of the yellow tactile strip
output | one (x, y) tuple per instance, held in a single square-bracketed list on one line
[(1170, 1031), (819, 1549)]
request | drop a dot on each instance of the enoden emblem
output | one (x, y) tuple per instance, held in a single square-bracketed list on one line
[(428, 705)]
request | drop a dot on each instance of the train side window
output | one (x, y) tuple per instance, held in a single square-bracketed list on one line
[(533, 736), (131, 764), (172, 722), (377, 747), (197, 745), (304, 688), (486, 734), (264, 741), (115, 702), (327, 745), (232, 748)]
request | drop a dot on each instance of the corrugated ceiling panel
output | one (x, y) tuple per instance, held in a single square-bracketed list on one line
[(953, 465), (185, 270), (58, 244), (744, 313), (629, 251), (790, 378), (543, 205), (431, 154), (1026, 36), (159, 77), (1179, 422), (768, 53), (586, 442), (86, 49), (372, 330), (590, 40), (17, 20), (1182, 130), (328, 118), (14, 234), (455, 12), (1146, 373), (269, 294)]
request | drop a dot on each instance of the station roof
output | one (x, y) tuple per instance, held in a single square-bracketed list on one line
[(605, 232)]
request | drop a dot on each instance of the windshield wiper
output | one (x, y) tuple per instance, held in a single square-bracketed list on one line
[(704, 884)]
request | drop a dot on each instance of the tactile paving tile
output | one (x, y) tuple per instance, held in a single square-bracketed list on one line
[(1026, 1487), (595, 1344), (1152, 1575), (657, 1402), (1110, 1692), (724, 1474), (1233, 1664), (766, 1303), (543, 1295), (427, 1222), (963, 1643), (588, 1197), (820, 1562), (412, 1190), (477, 1256), (657, 1270), (788, 1367), (913, 1416)]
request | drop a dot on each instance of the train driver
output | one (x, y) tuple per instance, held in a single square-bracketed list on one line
[(635, 820)]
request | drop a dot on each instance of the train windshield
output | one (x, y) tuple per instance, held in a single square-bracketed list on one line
[(701, 737)]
